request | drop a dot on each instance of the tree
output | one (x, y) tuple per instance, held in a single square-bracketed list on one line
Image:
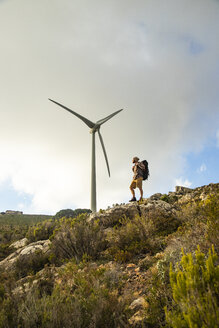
[(68, 213)]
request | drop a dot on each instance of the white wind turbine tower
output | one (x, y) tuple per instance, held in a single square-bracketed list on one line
[(95, 127)]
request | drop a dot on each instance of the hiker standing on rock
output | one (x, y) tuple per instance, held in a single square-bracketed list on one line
[(138, 169)]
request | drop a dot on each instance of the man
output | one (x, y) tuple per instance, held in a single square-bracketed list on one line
[(137, 168)]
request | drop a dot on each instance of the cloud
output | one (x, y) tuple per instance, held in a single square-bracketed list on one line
[(202, 168), (97, 57), (183, 182)]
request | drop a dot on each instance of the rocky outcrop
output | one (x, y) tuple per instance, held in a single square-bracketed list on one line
[(45, 277), (19, 244), (167, 204), (112, 216), (41, 245)]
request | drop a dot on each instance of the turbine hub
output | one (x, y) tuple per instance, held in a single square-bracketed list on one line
[(95, 128)]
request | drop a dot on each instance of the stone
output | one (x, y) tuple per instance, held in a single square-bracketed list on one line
[(111, 216), (182, 190), (138, 304), (136, 320), (8, 262), (156, 196), (20, 243)]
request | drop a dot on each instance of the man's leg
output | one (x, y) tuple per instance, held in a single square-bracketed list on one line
[(132, 187), (139, 185), (141, 193), (133, 192)]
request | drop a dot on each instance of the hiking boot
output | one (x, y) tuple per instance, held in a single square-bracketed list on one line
[(133, 199), (140, 200)]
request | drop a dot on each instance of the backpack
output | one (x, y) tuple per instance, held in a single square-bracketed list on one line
[(146, 170)]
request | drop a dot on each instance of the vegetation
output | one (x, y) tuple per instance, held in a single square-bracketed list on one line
[(68, 213), (195, 290), (14, 227), (74, 238), (124, 272)]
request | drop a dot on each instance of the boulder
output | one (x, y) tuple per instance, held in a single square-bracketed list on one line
[(182, 190), (20, 243), (42, 245), (158, 205), (111, 216)]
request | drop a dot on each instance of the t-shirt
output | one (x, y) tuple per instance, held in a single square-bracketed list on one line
[(138, 170)]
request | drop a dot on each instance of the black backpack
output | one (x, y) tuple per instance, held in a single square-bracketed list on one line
[(146, 170)]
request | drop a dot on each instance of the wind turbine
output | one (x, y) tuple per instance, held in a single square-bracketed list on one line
[(95, 127)]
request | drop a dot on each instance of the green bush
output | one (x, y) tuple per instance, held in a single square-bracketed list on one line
[(199, 225), (30, 264), (195, 289), (140, 235), (5, 251), (41, 231), (78, 238), (83, 298), (68, 213), (165, 198), (210, 214)]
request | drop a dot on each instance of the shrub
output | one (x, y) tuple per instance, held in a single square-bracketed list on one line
[(199, 226), (43, 230), (171, 199), (5, 251), (83, 298), (140, 235), (30, 264), (68, 213), (78, 238), (165, 198), (210, 213), (195, 289)]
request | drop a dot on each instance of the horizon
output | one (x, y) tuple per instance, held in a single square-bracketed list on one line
[(108, 207)]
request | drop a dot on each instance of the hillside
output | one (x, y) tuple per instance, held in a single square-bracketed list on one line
[(14, 227), (118, 267)]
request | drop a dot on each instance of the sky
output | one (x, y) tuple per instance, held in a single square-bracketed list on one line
[(158, 60)]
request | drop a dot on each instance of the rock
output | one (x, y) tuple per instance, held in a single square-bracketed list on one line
[(138, 304), (186, 198), (44, 278), (156, 196), (111, 216), (20, 243), (159, 205), (182, 190), (42, 245), (136, 319)]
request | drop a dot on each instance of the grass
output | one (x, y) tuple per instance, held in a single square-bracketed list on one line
[(14, 227), (22, 219)]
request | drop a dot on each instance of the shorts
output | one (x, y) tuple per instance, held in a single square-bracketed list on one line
[(136, 183)]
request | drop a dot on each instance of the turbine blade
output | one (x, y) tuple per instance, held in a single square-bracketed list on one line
[(104, 151), (100, 122), (85, 120)]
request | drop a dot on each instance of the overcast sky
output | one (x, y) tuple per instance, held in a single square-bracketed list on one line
[(159, 60)]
